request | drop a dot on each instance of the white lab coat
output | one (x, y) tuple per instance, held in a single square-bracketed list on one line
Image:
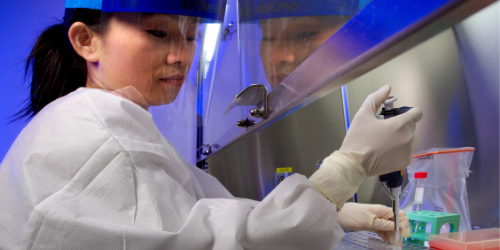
[(92, 171)]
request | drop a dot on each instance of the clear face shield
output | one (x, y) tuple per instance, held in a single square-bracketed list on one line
[(277, 36), (159, 55)]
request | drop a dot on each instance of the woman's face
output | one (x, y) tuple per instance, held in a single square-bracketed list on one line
[(149, 52), (287, 42)]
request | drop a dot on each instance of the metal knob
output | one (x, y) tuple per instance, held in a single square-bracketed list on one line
[(257, 113), (245, 123)]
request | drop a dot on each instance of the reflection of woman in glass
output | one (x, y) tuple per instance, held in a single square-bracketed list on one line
[(287, 42)]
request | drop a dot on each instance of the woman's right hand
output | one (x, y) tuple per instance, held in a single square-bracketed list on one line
[(381, 146), (371, 147)]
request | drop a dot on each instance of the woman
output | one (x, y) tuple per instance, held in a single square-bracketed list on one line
[(289, 41), (92, 171)]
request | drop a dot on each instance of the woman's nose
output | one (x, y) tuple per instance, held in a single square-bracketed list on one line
[(282, 52), (178, 52)]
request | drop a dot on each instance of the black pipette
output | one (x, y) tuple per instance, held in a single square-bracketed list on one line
[(392, 181)]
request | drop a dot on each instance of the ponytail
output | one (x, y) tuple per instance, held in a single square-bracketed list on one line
[(56, 69)]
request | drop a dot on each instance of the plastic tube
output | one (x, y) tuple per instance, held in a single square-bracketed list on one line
[(420, 178), (419, 190)]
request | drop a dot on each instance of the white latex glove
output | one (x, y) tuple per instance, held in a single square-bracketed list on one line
[(381, 146), (371, 147), (375, 218)]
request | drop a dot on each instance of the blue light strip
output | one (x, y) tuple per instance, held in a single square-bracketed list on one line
[(347, 120), (346, 108)]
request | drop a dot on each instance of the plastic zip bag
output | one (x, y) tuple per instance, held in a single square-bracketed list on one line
[(445, 186)]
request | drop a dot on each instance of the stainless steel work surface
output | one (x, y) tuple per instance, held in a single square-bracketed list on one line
[(369, 240)]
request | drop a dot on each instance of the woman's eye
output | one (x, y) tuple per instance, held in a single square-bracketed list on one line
[(191, 39), (268, 39), (158, 33), (306, 35)]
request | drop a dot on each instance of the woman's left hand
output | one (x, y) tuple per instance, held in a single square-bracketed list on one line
[(376, 218)]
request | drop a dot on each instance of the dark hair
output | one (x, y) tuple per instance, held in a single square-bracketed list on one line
[(56, 69)]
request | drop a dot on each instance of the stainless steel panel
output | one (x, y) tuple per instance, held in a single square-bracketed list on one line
[(455, 86), (429, 77), (378, 33), (478, 42), (299, 141)]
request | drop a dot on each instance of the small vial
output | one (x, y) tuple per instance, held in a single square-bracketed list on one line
[(419, 190), (419, 197)]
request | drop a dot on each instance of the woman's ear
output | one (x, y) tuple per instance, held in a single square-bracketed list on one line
[(84, 41)]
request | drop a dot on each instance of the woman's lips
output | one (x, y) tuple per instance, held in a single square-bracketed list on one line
[(176, 81)]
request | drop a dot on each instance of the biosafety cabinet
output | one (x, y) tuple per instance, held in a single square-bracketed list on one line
[(439, 55)]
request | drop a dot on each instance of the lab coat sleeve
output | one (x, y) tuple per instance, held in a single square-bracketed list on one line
[(211, 187), (113, 207), (261, 218), (293, 216)]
